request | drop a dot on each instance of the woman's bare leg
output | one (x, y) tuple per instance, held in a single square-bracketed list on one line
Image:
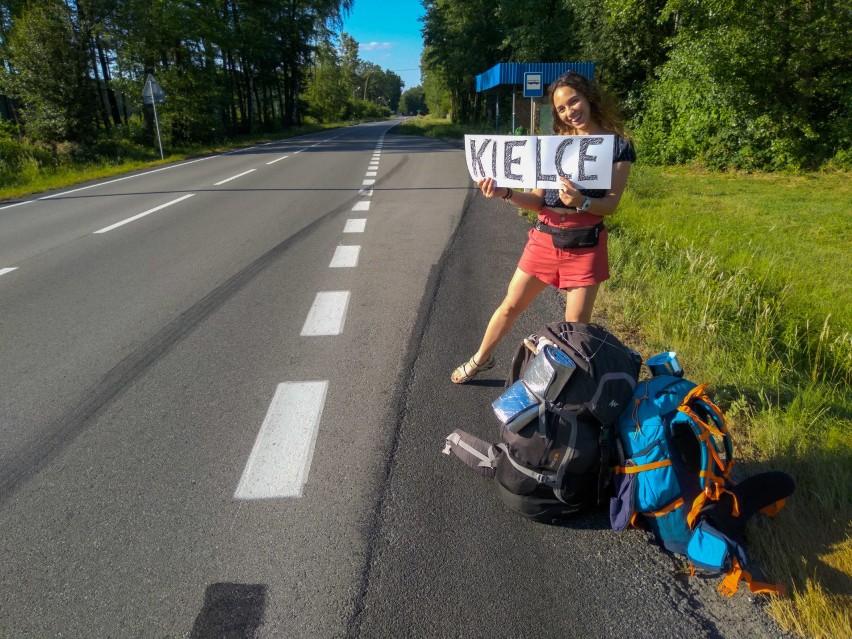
[(579, 303), (523, 289)]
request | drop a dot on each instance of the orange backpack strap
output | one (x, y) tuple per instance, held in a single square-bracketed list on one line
[(629, 470), (665, 510), (773, 509), (713, 493), (730, 584)]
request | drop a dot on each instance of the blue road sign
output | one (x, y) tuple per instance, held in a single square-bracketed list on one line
[(533, 84)]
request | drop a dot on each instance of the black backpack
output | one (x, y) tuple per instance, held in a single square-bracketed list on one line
[(557, 464)]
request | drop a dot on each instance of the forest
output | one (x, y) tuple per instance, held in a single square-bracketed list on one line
[(743, 84)]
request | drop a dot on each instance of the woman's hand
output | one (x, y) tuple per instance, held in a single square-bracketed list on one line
[(489, 190), (569, 194)]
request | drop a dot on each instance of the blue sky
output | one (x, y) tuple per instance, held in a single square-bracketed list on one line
[(388, 34)]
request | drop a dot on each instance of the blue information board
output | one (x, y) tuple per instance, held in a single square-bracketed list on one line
[(533, 84)]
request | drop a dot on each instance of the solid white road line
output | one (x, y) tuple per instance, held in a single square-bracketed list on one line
[(363, 205), (148, 212), (280, 460), (355, 225), (129, 177), (283, 157), (235, 177), (327, 315), (345, 257), (3, 208), (3, 271)]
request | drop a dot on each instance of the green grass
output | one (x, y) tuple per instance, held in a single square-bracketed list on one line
[(746, 277), (792, 230)]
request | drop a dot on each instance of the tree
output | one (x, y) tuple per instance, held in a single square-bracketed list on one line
[(627, 39), (327, 93), (414, 101), (49, 73), (461, 39), (435, 92), (524, 39), (751, 84)]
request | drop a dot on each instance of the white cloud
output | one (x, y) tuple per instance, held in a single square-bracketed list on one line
[(375, 46)]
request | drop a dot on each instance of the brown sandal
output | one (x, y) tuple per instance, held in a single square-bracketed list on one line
[(471, 369)]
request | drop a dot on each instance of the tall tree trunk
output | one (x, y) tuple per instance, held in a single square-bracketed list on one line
[(280, 92), (230, 90), (251, 103), (101, 93), (113, 103)]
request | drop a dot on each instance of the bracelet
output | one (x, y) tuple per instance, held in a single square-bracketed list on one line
[(509, 194)]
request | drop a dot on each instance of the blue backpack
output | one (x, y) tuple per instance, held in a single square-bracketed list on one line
[(675, 457)]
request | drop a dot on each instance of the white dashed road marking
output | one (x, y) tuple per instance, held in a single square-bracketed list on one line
[(283, 157), (128, 177), (3, 271), (355, 225), (345, 257), (234, 177), (281, 457), (148, 212), (327, 315)]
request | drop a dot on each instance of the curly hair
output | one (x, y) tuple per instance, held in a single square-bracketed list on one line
[(604, 110)]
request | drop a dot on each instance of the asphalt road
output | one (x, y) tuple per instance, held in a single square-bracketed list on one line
[(141, 366)]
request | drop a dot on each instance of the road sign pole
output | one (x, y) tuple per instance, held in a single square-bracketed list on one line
[(150, 88), (533, 88), (497, 112)]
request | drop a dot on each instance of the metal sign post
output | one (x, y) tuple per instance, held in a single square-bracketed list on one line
[(533, 88), (497, 115), (151, 94)]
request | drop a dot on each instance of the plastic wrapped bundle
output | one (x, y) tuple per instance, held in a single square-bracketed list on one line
[(516, 407), (545, 377), (548, 372)]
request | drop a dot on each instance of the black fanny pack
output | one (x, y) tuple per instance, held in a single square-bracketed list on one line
[(578, 237)]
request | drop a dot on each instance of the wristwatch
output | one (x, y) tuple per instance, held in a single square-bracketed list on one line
[(587, 203)]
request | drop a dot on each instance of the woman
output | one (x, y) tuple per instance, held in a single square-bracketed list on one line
[(578, 108)]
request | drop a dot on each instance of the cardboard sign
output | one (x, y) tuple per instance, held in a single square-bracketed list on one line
[(537, 162)]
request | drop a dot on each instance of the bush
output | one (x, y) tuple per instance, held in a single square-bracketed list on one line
[(727, 98), (21, 161), (114, 148), (363, 110)]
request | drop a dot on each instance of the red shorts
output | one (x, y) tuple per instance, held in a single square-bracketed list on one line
[(564, 268)]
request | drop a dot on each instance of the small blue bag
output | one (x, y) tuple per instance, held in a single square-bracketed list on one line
[(711, 550)]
